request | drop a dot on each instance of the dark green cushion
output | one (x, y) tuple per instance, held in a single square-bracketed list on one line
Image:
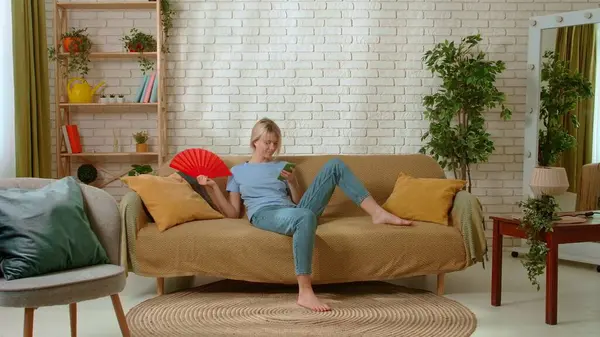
[(46, 230)]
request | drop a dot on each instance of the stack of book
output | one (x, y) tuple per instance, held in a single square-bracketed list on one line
[(148, 90)]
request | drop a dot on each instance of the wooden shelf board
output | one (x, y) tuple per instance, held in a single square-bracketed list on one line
[(108, 104), (119, 5), (109, 154), (116, 55)]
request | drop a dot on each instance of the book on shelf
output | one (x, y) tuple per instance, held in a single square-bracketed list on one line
[(71, 138), (148, 89)]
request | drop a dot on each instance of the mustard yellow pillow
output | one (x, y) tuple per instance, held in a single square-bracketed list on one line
[(170, 201), (423, 199)]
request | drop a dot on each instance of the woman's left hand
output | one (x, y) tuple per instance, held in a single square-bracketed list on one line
[(289, 176)]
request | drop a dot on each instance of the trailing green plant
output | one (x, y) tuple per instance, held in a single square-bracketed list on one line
[(78, 45), (167, 15), (140, 42), (457, 137), (539, 214), (559, 96), (140, 169), (141, 137)]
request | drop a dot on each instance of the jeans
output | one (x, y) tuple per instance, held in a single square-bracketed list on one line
[(300, 222)]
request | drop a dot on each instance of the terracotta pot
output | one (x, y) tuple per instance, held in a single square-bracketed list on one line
[(73, 42), (141, 147), (136, 48)]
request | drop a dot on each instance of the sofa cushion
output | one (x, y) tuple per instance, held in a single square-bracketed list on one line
[(346, 249), (423, 199), (377, 172), (46, 230), (170, 201)]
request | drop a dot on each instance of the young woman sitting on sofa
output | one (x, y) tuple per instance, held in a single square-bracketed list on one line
[(280, 206)]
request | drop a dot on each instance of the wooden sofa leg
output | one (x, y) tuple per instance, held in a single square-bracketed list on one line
[(440, 284), (73, 318), (28, 323), (160, 285)]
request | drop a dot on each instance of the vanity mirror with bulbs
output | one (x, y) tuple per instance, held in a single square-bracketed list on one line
[(574, 180)]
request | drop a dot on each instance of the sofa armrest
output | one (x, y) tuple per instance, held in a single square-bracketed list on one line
[(467, 216), (134, 219)]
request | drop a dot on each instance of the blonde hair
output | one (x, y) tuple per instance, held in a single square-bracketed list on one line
[(265, 125)]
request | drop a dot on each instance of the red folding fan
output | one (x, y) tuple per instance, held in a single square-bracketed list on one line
[(195, 162)]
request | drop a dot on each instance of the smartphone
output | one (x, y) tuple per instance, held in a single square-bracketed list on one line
[(288, 167)]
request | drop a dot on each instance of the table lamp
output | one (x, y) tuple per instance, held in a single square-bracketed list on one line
[(549, 181), (552, 181)]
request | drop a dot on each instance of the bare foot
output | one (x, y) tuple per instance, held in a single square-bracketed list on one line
[(309, 300), (384, 217)]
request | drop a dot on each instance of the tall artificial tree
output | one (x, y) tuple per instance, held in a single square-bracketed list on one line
[(457, 136)]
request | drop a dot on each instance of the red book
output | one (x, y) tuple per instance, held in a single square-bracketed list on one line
[(73, 133)]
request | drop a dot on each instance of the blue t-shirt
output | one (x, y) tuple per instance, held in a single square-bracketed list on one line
[(258, 185)]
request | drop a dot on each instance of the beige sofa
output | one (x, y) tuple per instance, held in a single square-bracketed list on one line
[(348, 246)]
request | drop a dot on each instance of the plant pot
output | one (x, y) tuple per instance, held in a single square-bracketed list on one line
[(137, 48), (549, 181), (103, 100), (73, 42), (120, 99), (141, 147)]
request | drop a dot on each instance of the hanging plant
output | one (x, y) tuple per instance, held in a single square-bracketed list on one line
[(167, 14), (139, 42), (78, 46), (457, 137), (87, 173), (539, 214)]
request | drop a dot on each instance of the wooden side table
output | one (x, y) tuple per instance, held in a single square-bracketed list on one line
[(588, 231)]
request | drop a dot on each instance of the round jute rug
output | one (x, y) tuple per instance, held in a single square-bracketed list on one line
[(235, 308)]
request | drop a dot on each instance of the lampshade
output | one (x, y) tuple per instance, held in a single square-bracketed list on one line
[(549, 181)]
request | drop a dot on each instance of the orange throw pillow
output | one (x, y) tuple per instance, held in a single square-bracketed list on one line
[(170, 201), (423, 199)]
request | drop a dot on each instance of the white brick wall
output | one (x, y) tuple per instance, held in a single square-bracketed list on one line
[(339, 76)]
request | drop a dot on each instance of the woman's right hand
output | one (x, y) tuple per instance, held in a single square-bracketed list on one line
[(206, 181)]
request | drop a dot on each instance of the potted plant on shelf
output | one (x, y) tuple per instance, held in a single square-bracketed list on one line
[(141, 138), (562, 89), (77, 44), (140, 42), (457, 137)]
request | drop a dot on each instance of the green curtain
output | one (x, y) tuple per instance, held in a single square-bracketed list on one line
[(577, 45), (32, 108)]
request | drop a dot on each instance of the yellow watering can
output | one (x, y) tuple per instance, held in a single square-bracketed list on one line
[(81, 92)]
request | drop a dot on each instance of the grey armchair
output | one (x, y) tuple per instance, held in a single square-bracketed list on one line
[(72, 286)]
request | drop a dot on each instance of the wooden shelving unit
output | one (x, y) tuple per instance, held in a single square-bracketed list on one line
[(65, 110), (129, 104), (110, 154), (113, 5), (115, 55)]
